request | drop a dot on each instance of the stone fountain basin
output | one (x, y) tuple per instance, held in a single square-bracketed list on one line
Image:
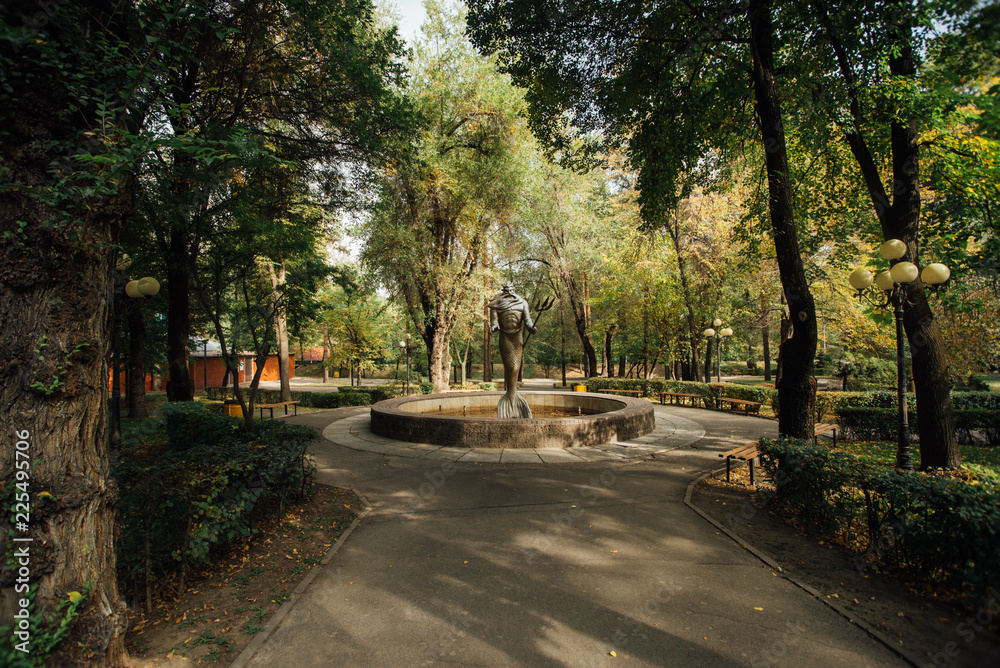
[(612, 418)]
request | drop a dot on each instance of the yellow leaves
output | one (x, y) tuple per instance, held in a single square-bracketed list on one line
[(74, 597), (612, 653), (759, 609)]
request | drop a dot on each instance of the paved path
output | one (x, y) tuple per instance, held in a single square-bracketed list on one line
[(549, 564)]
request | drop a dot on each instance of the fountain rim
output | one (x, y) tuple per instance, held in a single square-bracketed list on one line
[(621, 418), (623, 406)]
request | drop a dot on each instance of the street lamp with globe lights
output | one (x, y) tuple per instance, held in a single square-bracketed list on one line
[(404, 346), (886, 289), (717, 335), (134, 289)]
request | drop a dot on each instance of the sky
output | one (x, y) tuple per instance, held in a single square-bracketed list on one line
[(411, 14)]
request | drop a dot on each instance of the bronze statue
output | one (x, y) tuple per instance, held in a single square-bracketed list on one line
[(509, 314)]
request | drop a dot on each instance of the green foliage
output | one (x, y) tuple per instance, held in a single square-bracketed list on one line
[(931, 525), (177, 505), (865, 372), (872, 424), (988, 401), (881, 424), (45, 632), (189, 425), (339, 399), (829, 404), (488, 386), (651, 388)]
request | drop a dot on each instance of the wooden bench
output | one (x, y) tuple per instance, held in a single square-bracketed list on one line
[(748, 406), (637, 393), (679, 397), (747, 452), (825, 428), (271, 407)]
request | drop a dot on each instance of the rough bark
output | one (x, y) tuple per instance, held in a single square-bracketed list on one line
[(938, 444), (136, 399), (608, 335), (281, 332), (180, 385), (326, 353), (796, 385), (898, 212), (55, 325)]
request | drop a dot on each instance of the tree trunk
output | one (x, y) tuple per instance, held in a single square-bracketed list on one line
[(55, 326), (326, 353), (898, 212), (136, 399), (180, 386), (608, 360), (936, 424), (281, 331), (796, 386), (765, 333)]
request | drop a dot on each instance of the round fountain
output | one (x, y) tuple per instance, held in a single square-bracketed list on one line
[(468, 419)]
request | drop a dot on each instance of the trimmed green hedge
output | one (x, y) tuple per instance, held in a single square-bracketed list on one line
[(195, 481), (932, 526), (652, 388), (340, 399), (371, 395), (880, 424)]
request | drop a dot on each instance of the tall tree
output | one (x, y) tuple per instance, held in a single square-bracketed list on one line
[(664, 81), (71, 81), (311, 82), (426, 238), (878, 84)]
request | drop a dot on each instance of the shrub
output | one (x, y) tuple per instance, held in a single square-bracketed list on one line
[(340, 399), (488, 386), (829, 404), (872, 424), (933, 526), (188, 424), (881, 424), (652, 388), (177, 505), (426, 387), (988, 401)]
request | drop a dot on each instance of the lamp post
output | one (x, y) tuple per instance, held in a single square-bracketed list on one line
[(717, 335), (889, 289), (404, 346), (134, 289), (204, 364)]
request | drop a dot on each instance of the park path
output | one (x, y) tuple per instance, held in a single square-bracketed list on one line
[(579, 564)]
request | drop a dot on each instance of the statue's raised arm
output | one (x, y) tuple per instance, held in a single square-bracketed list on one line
[(509, 314)]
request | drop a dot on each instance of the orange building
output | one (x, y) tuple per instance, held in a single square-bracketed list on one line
[(212, 369)]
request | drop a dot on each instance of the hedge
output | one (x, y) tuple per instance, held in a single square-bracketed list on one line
[(933, 526), (194, 481), (652, 388), (372, 394), (880, 424)]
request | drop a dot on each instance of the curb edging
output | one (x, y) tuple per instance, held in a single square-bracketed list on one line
[(840, 610), (243, 660)]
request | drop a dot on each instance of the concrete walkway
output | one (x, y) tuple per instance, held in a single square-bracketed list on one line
[(558, 563)]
